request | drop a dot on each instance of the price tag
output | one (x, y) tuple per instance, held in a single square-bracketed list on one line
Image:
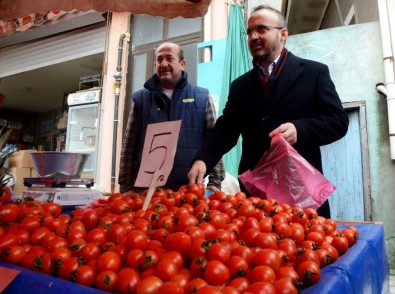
[(160, 147)]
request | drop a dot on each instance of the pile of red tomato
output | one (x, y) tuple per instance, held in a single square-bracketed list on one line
[(183, 243)]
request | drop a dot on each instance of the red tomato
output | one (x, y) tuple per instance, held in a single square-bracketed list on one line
[(166, 269), (216, 273), (5, 194), (60, 256), (96, 235), (261, 273), (282, 229), (309, 272), (286, 272), (133, 257), (53, 208), (285, 285), (198, 265), (15, 254), (218, 251), (340, 243), (238, 266), (89, 251), (30, 223), (7, 241), (269, 257), (176, 257), (170, 287), (178, 241), (107, 280), (85, 275), (148, 260), (243, 251), (90, 219), (116, 233), (315, 236), (195, 284), (149, 285), (351, 236), (240, 283), (265, 240), (108, 261), (9, 212), (197, 189), (261, 287), (136, 239), (128, 279)]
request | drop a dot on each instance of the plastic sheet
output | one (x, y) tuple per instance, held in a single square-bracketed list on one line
[(363, 269)]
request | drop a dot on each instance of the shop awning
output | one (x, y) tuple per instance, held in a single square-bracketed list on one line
[(165, 8)]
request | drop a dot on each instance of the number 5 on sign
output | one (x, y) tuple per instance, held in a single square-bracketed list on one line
[(158, 154)]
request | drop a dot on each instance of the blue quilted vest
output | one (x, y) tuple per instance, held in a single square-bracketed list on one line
[(188, 104)]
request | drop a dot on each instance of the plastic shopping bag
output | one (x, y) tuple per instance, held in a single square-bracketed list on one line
[(284, 175)]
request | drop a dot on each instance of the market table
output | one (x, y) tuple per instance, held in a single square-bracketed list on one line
[(363, 269)]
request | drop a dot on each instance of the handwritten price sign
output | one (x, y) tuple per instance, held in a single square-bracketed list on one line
[(158, 154)]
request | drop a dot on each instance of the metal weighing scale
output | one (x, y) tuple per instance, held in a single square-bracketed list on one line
[(67, 192)]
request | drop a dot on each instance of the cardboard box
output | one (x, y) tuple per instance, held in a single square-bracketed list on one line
[(17, 189), (21, 158), (19, 173)]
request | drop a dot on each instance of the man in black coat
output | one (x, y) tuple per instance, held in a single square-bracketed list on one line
[(281, 94)]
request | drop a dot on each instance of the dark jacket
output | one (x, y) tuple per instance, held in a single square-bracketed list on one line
[(303, 94), (190, 104)]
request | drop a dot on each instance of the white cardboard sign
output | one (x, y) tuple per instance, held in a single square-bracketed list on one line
[(158, 153)]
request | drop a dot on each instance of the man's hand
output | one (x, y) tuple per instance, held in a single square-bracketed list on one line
[(288, 131), (197, 172), (213, 188)]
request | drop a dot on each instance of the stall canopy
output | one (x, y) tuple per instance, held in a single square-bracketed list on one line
[(168, 9)]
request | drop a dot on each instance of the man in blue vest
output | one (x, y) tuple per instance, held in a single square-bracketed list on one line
[(167, 96)]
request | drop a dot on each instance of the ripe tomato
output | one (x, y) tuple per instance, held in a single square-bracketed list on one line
[(166, 269), (261, 287), (170, 287), (243, 251), (340, 242), (265, 240), (136, 239), (351, 235), (285, 285), (261, 273), (128, 279), (7, 241), (216, 273), (269, 257), (30, 223), (148, 260), (218, 251), (309, 272), (96, 235), (53, 208), (176, 257), (107, 280), (186, 220), (286, 272), (15, 254), (178, 241), (238, 266), (108, 261), (197, 189), (149, 285), (9, 212), (5, 194), (133, 257), (89, 251), (60, 256), (85, 275), (195, 284)]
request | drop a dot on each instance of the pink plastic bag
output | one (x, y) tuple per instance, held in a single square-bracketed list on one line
[(284, 175)]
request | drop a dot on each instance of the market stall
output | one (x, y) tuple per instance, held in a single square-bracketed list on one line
[(363, 269)]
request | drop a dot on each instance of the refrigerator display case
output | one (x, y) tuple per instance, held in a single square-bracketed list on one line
[(83, 125)]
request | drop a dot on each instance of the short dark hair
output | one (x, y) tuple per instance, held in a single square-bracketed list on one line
[(283, 22)]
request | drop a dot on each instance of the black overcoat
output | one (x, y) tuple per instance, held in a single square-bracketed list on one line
[(304, 94)]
